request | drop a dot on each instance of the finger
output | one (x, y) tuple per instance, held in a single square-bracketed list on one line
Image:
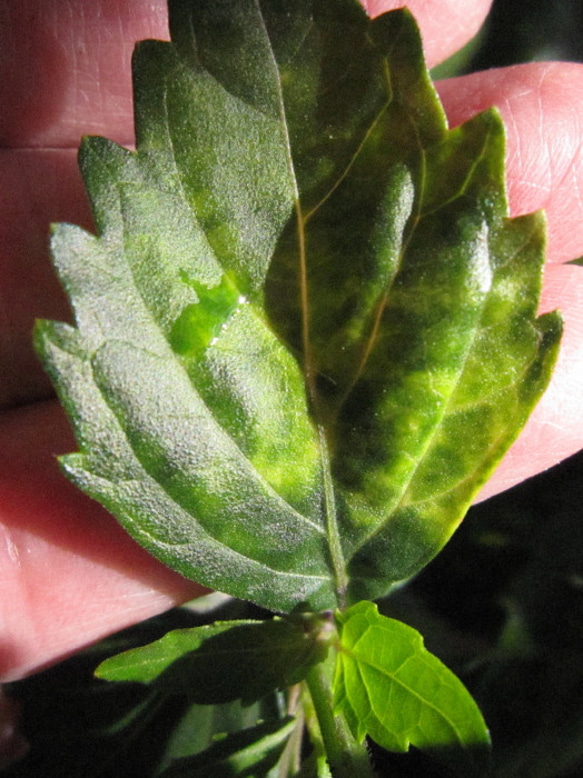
[(65, 69), (541, 107), (67, 74), (70, 574), (36, 188)]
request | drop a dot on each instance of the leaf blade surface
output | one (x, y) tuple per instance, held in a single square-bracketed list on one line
[(390, 687), (225, 661), (306, 329)]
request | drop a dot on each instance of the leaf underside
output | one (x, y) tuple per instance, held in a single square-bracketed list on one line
[(305, 332)]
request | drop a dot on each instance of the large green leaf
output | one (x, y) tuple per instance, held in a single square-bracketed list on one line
[(387, 685), (306, 329)]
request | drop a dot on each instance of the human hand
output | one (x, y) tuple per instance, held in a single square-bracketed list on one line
[(70, 574)]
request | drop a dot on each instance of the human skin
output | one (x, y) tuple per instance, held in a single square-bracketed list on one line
[(69, 574)]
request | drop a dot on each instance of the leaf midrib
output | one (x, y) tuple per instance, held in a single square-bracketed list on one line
[(338, 563)]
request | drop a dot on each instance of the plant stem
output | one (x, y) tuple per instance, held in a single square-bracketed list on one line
[(336, 553), (347, 758)]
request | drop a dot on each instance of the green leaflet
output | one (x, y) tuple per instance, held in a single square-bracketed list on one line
[(250, 752), (387, 685), (226, 661), (145, 664), (306, 330)]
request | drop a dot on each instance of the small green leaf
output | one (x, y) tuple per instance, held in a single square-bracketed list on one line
[(387, 685), (226, 661), (146, 663), (250, 752)]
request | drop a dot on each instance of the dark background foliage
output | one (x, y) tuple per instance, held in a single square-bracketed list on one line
[(537, 30), (502, 605)]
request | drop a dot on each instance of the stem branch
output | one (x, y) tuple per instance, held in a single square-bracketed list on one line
[(347, 758)]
